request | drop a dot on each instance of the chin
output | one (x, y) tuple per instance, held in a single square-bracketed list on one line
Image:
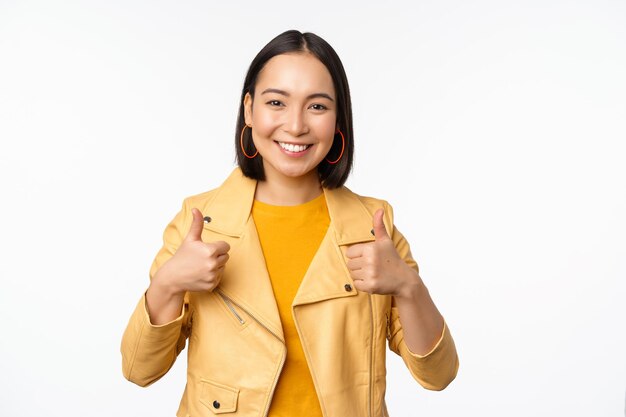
[(297, 172)]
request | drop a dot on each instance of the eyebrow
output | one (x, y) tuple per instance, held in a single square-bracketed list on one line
[(286, 94)]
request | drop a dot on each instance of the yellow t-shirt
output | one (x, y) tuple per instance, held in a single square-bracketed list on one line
[(290, 237)]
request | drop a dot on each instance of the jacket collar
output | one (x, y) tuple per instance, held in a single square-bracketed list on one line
[(232, 204), (326, 278)]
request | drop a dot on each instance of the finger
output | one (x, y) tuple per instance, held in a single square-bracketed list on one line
[(362, 285), (358, 274), (222, 259), (354, 264), (355, 251), (220, 247), (380, 233), (197, 224)]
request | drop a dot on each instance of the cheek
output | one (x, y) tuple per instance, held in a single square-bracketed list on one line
[(325, 129), (264, 122)]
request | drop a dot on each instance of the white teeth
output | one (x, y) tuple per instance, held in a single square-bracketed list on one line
[(293, 148)]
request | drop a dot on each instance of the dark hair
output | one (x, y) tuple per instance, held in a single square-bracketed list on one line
[(331, 176)]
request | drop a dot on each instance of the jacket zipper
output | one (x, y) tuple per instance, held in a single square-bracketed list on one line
[(230, 303), (370, 399), (388, 326)]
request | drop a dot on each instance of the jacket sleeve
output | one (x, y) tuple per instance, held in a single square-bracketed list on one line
[(436, 369), (148, 350)]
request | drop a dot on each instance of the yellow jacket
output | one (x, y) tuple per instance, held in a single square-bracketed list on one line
[(236, 345)]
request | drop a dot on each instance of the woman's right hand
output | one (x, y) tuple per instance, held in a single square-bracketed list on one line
[(196, 266)]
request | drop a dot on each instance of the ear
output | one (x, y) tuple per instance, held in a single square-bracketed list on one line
[(247, 108)]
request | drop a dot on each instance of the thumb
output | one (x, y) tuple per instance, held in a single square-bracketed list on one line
[(197, 224), (380, 232)]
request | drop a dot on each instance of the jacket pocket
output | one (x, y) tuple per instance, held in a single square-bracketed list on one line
[(218, 398)]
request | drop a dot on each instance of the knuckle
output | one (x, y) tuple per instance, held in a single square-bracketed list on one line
[(208, 250), (213, 264)]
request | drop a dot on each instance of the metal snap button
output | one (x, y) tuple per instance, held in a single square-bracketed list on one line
[(348, 287), (216, 404), (207, 219)]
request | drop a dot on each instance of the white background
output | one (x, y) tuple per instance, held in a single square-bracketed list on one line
[(496, 129)]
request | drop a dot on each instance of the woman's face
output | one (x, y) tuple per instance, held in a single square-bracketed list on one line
[(293, 115)]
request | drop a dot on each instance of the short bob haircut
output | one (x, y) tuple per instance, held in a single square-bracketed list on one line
[(293, 41)]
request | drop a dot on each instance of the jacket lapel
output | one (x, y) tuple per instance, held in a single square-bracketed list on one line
[(246, 281), (328, 274)]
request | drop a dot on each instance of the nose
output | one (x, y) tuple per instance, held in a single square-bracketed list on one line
[(296, 124)]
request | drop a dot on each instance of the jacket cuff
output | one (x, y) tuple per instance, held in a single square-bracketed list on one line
[(434, 349), (436, 369), (148, 322), (149, 350)]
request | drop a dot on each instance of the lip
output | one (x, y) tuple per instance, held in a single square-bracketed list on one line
[(294, 154), (292, 143)]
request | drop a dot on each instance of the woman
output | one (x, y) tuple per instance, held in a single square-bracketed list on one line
[(285, 282)]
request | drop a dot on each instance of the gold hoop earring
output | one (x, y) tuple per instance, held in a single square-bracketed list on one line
[(343, 147), (241, 143)]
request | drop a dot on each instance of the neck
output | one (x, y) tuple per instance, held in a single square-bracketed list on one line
[(287, 191)]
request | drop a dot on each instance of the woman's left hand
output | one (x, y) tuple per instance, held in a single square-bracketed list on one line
[(376, 267)]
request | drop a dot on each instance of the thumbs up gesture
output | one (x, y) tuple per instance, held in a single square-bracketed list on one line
[(196, 265), (376, 266)]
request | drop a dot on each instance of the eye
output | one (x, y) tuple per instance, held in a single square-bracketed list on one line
[(318, 107), (274, 103)]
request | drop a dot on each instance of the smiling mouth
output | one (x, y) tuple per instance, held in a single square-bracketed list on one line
[(292, 147)]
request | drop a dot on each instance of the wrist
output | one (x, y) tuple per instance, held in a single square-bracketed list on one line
[(163, 285), (412, 286)]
